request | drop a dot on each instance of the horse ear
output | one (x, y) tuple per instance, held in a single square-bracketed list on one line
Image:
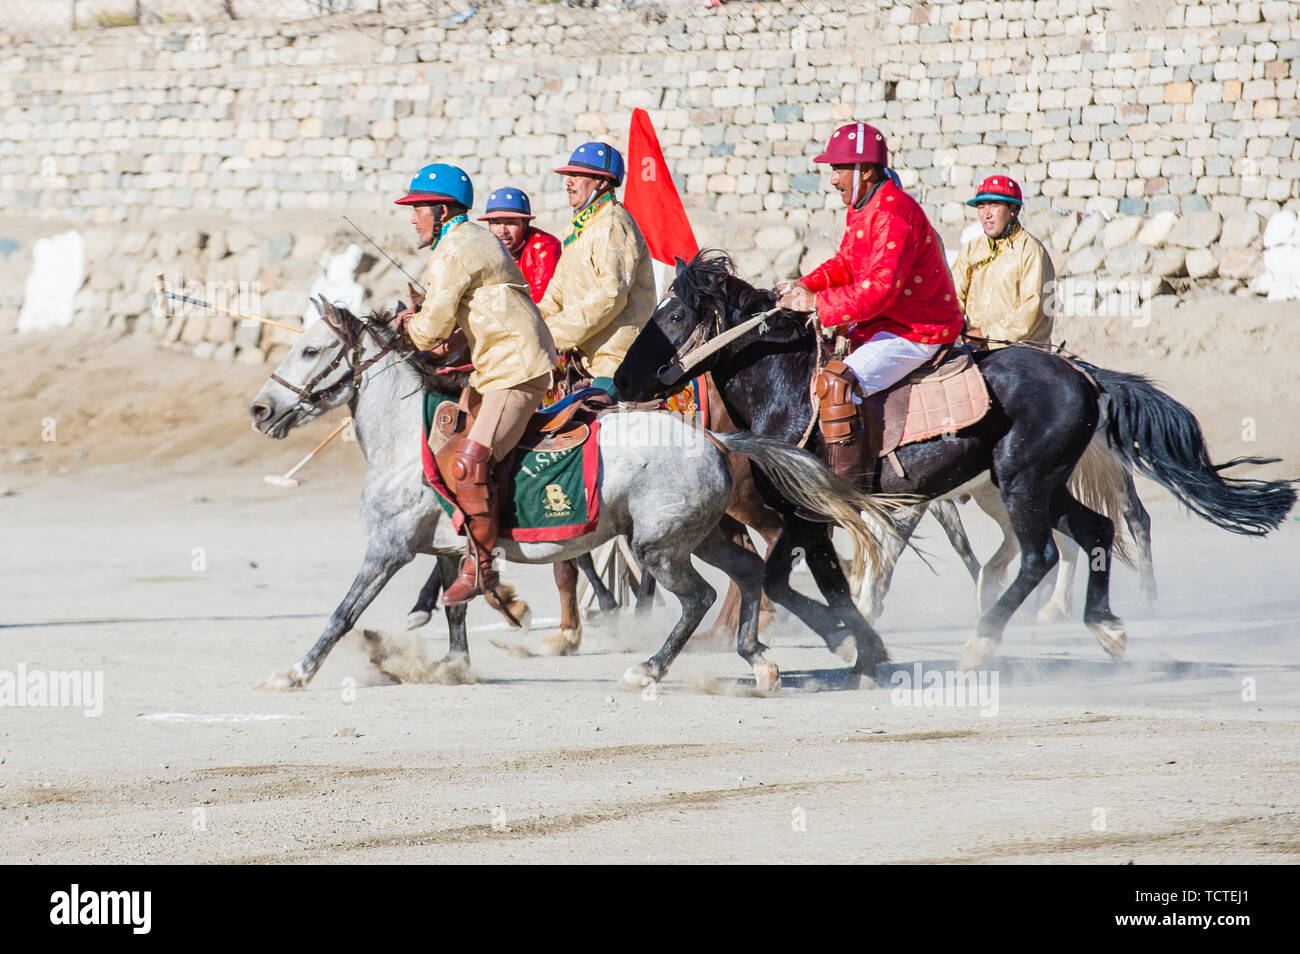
[(327, 310), (681, 264)]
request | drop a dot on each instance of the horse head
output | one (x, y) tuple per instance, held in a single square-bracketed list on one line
[(705, 299), (318, 373)]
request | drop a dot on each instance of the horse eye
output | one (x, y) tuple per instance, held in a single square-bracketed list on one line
[(676, 318), (310, 352)]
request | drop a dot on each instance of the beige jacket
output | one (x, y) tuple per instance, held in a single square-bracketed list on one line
[(472, 282), (603, 291), (1008, 298)]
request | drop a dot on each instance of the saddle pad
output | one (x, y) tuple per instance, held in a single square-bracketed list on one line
[(692, 402), (941, 402), (549, 495)]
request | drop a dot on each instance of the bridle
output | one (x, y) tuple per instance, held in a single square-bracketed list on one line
[(708, 338), (311, 394), (699, 345)]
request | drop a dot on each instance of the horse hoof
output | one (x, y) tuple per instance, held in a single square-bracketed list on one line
[(767, 677), (563, 642), (847, 649), (1111, 635), (285, 681), (977, 652), (1052, 613), (524, 613), (417, 618), (636, 678)]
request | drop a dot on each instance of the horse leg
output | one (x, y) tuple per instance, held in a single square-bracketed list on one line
[(381, 562), (673, 569), (645, 593), (743, 565), (945, 511), (994, 571), (1139, 528), (729, 615), (566, 640), (604, 598), (871, 599), (802, 536), (1095, 534), (427, 601), (748, 510), (869, 651), (1061, 605), (457, 635), (1028, 513)]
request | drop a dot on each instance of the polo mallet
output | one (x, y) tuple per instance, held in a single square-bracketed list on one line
[(275, 480), (160, 288)]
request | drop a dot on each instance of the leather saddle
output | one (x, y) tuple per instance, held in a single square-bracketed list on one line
[(559, 428), (940, 397)]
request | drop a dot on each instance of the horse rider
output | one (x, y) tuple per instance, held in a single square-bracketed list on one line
[(887, 289), (509, 215), (603, 291), (476, 295), (1004, 278)]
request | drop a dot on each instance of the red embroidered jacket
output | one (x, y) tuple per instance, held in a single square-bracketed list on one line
[(888, 275), (537, 260)]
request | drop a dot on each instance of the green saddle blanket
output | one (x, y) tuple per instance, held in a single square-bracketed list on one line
[(549, 495)]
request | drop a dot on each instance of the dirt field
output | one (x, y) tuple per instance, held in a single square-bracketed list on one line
[(141, 542)]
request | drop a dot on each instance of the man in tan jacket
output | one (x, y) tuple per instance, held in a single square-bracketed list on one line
[(1004, 278), (476, 294), (603, 290)]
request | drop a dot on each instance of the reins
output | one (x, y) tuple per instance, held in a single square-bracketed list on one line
[(699, 346)]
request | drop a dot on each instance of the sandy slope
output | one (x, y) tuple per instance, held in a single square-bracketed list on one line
[(1185, 753)]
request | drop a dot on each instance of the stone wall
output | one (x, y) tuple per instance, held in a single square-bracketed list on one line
[(1173, 121)]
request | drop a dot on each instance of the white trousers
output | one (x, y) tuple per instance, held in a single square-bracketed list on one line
[(886, 359)]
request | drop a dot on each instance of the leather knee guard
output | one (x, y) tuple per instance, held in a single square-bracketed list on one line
[(837, 414)]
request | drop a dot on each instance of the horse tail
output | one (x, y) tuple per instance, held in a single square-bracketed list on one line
[(1162, 439), (1099, 482), (803, 480)]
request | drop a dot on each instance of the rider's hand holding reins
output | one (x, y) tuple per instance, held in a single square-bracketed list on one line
[(795, 297)]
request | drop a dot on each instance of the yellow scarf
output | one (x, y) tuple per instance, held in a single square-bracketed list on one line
[(581, 220), (996, 245)]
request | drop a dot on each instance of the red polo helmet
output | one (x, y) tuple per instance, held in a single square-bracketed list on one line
[(998, 188), (856, 143)]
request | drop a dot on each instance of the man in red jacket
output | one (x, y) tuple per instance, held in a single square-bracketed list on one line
[(887, 289), (508, 215)]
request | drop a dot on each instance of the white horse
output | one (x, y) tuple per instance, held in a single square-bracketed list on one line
[(664, 484)]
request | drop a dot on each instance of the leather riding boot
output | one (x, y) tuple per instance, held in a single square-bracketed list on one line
[(472, 470), (842, 432)]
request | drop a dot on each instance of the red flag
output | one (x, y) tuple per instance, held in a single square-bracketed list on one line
[(652, 197)]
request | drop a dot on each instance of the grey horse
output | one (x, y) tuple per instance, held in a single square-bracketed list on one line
[(664, 485)]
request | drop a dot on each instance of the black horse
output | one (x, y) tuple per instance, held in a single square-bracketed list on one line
[(1044, 412)]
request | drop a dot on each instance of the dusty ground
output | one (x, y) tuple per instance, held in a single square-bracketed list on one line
[(1185, 753)]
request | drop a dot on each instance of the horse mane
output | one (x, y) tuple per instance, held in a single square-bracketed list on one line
[(352, 332), (709, 281)]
